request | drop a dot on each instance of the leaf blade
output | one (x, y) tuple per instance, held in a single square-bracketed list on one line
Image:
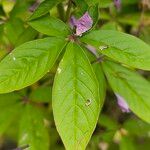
[(131, 86), (101, 80), (121, 47), (33, 130), (44, 8), (72, 118), (50, 26), (23, 66), (10, 109)]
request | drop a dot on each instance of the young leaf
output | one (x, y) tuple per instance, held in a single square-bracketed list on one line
[(33, 131), (28, 63), (44, 8), (75, 98), (121, 47), (131, 86), (50, 26), (10, 107)]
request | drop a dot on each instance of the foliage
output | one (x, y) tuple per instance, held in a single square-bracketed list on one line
[(60, 89)]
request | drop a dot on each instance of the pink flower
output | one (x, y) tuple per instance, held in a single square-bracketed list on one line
[(117, 4), (82, 24), (122, 104)]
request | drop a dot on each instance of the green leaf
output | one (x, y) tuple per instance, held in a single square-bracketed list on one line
[(50, 26), (129, 2), (101, 80), (10, 29), (28, 63), (44, 8), (137, 127), (91, 2), (105, 3), (144, 34), (110, 125), (102, 3), (82, 6), (10, 107), (33, 131), (41, 94), (75, 98), (131, 86), (1, 31), (8, 6), (111, 26), (20, 9), (127, 143), (121, 47), (27, 35), (108, 122), (94, 13)]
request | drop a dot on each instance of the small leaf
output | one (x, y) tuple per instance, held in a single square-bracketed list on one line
[(10, 107), (94, 13), (50, 26), (28, 63), (44, 8), (137, 127), (110, 125), (7, 6), (33, 131), (75, 98), (10, 29), (41, 94), (82, 6), (121, 47), (108, 122), (132, 87), (27, 35)]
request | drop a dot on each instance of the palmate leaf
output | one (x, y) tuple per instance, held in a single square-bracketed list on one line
[(50, 26), (131, 86), (28, 63), (75, 99), (121, 47), (33, 131)]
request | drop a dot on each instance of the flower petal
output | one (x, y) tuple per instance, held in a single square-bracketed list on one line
[(83, 24), (117, 4), (122, 103), (72, 22)]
